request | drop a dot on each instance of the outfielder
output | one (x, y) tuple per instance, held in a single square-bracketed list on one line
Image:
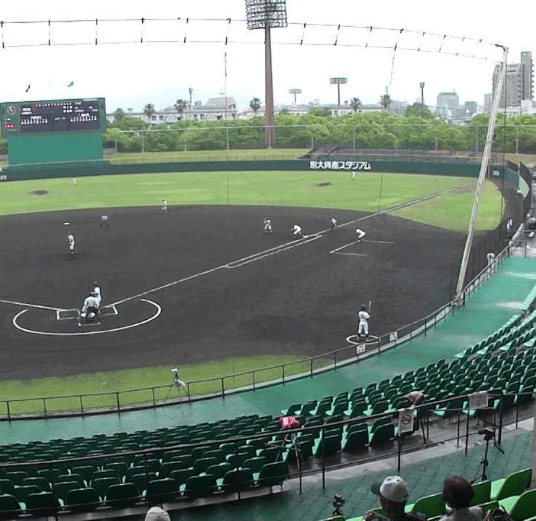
[(164, 205), (362, 327)]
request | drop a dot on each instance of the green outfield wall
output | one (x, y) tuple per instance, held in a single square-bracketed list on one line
[(326, 167)]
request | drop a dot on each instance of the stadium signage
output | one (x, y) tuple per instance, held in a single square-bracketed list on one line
[(339, 165)]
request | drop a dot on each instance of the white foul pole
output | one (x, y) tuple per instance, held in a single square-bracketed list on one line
[(458, 298)]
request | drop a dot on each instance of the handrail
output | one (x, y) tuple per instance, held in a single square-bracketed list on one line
[(158, 396)]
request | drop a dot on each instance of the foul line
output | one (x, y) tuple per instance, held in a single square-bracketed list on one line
[(272, 251), (26, 305), (82, 333)]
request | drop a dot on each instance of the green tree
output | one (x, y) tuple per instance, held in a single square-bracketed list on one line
[(149, 111), (180, 107), (255, 105), (119, 114), (385, 101), (355, 103), (419, 110)]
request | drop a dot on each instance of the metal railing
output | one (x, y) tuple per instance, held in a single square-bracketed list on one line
[(290, 445)]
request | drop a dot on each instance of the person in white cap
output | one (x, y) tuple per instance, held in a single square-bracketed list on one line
[(296, 232), (394, 494), (157, 514)]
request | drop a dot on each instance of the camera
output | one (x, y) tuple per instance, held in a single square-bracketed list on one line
[(488, 434), (175, 370)]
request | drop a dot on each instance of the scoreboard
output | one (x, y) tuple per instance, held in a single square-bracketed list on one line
[(53, 116), (53, 134)]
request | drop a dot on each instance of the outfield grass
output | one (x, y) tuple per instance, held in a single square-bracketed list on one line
[(369, 192)]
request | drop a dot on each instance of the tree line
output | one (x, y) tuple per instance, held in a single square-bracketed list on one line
[(416, 129)]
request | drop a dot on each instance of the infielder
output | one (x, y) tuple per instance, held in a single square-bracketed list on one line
[(164, 205), (333, 223), (363, 318), (359, 234), (70, 241), (267, 226), (104, 222), (297, 232)]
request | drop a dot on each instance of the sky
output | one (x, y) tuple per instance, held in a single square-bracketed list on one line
[(131, 75)]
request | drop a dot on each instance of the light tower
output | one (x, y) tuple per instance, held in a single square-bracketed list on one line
[(422, 93), (338, 82), (265, 14), (295, 92)]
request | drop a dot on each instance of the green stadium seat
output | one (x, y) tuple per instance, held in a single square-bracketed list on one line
[(431, 506), (521, 507), (161, 490), (273, 474), (42, 504), (238, 480), (200, 486), (122, 495), (82, 500), (9, 507), (513, 485)]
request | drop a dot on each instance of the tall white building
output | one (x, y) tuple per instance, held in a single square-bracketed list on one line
[(519, 82)]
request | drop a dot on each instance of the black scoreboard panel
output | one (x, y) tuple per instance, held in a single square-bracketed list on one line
[(59, 116)]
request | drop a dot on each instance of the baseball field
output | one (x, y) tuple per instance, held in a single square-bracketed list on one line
[(200, 286)]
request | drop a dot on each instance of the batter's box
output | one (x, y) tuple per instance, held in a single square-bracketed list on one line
[(67, 314), (108, 310)]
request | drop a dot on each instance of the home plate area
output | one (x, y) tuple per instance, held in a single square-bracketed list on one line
[(60, 322)]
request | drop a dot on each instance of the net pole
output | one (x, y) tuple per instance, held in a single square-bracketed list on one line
[(458, 299)]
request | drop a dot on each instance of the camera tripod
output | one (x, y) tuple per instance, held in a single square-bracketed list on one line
[(178, 384), (484, 463)]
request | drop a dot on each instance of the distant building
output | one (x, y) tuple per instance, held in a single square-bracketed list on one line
[(519, 82), (448, 105), (471, 108), (488, 100)]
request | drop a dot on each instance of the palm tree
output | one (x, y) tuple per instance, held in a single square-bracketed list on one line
[(119, 114), (355, 103), (180, 107), (255, 105), (149, 111), (385, 101)]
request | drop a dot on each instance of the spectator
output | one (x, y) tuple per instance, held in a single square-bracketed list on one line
[(157, 514), (458, 494), (394, 493)]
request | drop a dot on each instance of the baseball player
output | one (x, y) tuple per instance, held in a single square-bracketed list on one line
[(333, 223), (104, 222), (267, 226), (90, 309), (359, 234), (363, 317), (353, 175), (296, 232), (97, 294), (70, 241), (164, 205)]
